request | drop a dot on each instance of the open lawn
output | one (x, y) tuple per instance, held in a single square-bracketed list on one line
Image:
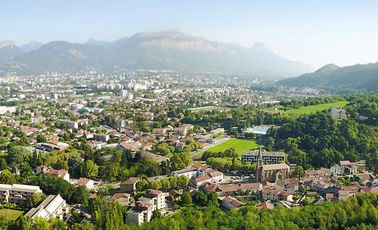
[(239, 145), (315, 108), (10, 214)]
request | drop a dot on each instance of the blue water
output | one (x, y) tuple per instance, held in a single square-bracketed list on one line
[(261, 130)]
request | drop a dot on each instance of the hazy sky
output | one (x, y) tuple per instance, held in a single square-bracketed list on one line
[(314, 32)]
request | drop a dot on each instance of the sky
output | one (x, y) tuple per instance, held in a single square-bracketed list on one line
[(315, 32)]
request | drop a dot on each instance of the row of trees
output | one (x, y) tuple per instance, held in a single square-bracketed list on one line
[(165, 184), (229, 164)]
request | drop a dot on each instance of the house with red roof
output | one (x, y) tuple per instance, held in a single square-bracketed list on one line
[(265, 205), (86, 182), (231, 202)]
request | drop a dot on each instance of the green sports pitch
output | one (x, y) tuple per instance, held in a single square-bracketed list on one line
[(239, 145)]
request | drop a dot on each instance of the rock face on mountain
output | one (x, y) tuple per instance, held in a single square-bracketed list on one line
[(167, 50), (356, 77), (8, 50)]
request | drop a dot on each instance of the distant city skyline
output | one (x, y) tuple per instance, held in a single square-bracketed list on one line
[(316, 33)]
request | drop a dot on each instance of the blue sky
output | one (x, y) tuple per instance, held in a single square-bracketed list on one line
[(314, 32)]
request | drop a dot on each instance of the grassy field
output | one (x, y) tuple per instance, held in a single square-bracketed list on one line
[(10, 214), (315, 108), (239, 145)]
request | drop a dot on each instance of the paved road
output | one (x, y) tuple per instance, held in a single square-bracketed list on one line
[(217, 142)]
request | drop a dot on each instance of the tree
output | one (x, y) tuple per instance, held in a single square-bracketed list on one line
[(156, 214), (3, 140), (16, 155), (142, 185), (74, 163), (80, 195), (155, 184), (113, 171), (3, 164), (173, 181), (165, 185), (89, 169), (35, 199), (200, 198), (212, 199), (186, 198), (40, 138), (24, 140), (299, 171), (7, 177), (182, 181)]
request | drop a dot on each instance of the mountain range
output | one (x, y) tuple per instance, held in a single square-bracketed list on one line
[(166, 50), (342, 79)]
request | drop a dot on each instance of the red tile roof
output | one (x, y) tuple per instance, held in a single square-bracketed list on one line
[(120, 195), (265, 205)]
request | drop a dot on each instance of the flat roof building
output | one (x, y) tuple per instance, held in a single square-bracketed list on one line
[(268, 157)]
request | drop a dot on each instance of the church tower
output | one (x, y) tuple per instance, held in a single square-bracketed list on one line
[(259, 167), (259, 159)]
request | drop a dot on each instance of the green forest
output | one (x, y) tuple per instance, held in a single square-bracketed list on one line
[(357, 213)]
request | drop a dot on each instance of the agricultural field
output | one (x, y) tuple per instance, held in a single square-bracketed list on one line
[(239, 145), (315, 108), (10, 214)]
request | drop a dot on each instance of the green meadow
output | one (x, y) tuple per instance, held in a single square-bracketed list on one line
[(315, 108), (239, 145)]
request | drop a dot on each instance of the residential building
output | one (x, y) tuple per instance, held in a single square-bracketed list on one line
[(344, 168), (70, 124), (86, 182), (268, 157), (142, 212), (129, 185), (337, 113), (265, 205), (231, 202), (101, 137), (188, 172), (54, 206), (60, 173), (17, 193)]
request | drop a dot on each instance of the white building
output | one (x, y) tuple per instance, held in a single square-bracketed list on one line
[(17, 193), (70, 124), (344, 168), (54, 206), (5, 109), (142, 212), (188, 172), (123, 93), (86, 182)]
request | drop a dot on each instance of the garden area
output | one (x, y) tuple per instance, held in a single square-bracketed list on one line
[(10, 214)]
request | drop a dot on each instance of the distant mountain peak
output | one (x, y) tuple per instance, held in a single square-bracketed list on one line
[(169, 49), (327, 68), (6, 43), (259, 45), (341, 79)]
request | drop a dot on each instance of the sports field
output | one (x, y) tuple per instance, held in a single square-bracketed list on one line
[(239, 145), (315, 108), (10, 214)]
